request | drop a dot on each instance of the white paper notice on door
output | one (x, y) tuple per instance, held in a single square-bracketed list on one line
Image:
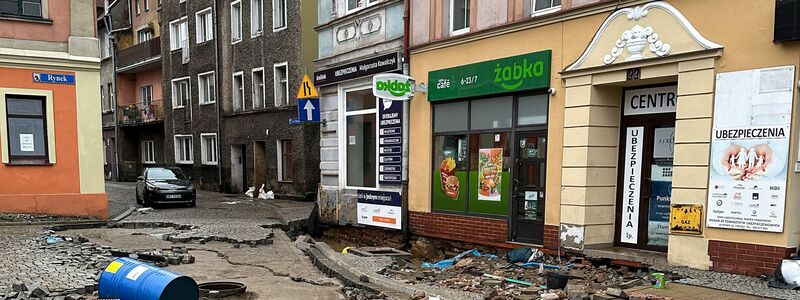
[(631, 183), (26, 142)]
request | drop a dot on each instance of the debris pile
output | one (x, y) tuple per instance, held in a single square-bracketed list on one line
[(497, 278), (352, 293), (160, 258)]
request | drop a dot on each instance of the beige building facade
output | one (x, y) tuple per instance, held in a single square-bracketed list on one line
[(631, 158)]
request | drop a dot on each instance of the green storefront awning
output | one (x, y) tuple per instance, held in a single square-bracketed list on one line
[(511, 74)]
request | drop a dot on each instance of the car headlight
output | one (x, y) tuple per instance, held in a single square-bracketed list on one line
[(190, 187), (150, 187)]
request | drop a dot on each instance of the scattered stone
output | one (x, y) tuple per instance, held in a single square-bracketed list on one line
[(580, 274), (18, 287), (363, 278), (630, 283), (616, 292), (490, 294), (534, 290), (551, 296), (418, 295), (603, 297), (464, 262), (35, 291), (491, 282)]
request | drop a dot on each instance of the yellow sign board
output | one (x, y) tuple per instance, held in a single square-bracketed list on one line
[(686, 219), (307, 89)]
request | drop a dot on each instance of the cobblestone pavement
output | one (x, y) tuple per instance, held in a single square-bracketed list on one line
[(62, 268), (730, 282)]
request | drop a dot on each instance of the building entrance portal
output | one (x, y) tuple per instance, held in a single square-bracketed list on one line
[(644, 187)]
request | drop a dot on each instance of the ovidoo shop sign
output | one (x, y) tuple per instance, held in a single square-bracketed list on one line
[(655, 100)]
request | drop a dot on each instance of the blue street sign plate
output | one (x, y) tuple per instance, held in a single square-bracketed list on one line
[(53, 78), (294, 121), (308, 110)]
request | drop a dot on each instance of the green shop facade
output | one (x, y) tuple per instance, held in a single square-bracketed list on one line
[(489, 142)]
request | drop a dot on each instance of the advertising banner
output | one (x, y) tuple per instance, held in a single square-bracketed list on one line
[(490, 179), (390, 141), (750, 149), (379, 208), (632, 185)]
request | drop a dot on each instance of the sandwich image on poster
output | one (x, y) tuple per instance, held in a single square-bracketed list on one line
[(490, 164)]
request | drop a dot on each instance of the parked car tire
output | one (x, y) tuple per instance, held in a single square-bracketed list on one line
[(193, 203)]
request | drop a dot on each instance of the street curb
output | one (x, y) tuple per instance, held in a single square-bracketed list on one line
[(350, 276), (123, 215)]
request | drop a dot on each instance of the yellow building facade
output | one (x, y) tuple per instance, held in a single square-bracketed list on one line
[(631, 156)]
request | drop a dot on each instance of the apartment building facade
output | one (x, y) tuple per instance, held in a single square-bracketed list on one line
[(50, 136), (357, 40), (131, 90), (649, 131), (232, 69)]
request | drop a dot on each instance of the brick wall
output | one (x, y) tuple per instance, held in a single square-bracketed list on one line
[(552, 237), (746, 259), (471, 229)]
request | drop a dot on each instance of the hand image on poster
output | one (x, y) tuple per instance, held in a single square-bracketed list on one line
[(490, 164), (450, 184), (743, 160)]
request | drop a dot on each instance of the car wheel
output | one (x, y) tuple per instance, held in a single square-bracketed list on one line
[(193, 203)]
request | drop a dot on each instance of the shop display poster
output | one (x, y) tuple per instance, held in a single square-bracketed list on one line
[(750, 149)]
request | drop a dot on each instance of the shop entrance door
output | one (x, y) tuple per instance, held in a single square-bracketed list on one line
[(529, 187), (644, 185)]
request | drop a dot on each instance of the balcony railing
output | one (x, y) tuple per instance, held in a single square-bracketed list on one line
[(142, 53), (140, 113)]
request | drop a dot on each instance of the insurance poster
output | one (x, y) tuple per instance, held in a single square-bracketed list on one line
[(750, 149), (634, 139)]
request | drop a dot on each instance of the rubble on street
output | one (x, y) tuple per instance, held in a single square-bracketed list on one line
[(496, 278)]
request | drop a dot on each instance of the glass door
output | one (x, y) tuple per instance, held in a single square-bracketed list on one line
[(529, 187)]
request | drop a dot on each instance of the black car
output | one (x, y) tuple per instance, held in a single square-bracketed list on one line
[(161, 185)]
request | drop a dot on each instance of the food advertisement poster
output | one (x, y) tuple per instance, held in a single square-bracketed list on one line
[(490, 164), (450, 182), (750, 149)]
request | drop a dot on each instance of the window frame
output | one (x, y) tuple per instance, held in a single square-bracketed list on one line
[(199, 18), (149, 89), (188, 99), (208, 94), (343, 114), (255, 32), (138, 4), (146, 32), (234, 90), (464, 30), (551, 9), (175, 41), (204, 149), (263, 87), (367, 3), (20, 13), (234, 38), (275, 13), (276, 83), (45, 117), (148, 145), (280, 160), (179, 147), (146, 5)]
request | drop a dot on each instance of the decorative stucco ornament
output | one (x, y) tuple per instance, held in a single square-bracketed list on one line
[(635, 40), (637, 13)]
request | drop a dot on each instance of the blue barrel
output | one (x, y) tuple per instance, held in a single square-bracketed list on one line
[(127, 278)]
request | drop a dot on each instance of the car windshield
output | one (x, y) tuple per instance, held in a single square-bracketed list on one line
[(164, 174)]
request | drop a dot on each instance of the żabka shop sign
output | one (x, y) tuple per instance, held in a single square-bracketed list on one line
[(511, 74)]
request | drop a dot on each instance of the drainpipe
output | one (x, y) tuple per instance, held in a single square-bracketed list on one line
[(112, 38), (217, 100), (406, 227)]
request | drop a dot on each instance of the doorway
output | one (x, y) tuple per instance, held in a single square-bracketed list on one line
[(237, 169), (529, 187), (644, 181)]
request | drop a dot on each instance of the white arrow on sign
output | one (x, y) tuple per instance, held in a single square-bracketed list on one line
[(309, 110)]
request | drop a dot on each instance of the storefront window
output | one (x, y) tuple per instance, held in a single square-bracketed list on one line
[(490, 165), (472, 156), (491, 113), (532, 110), (361, 139)]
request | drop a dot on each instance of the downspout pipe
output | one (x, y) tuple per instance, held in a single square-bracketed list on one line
[(112, 38), (217, 100), (406, 227)]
